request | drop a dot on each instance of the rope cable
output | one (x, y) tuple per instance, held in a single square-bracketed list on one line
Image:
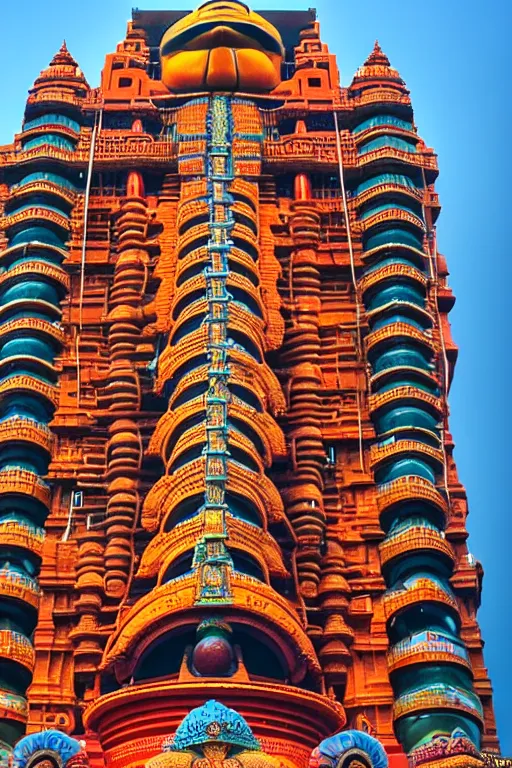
[(98, 118), (434, 276), (341, 172)]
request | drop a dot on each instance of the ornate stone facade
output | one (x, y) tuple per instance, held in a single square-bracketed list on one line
[(231, 528)]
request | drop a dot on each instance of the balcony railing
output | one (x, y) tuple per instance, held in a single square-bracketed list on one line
[(391, 272), (414, 539), (410, 487), (423, 590), (381, 453), (438, 696), (376, 402), (16, 585), (394, 331), (421, 160), (16, 647)]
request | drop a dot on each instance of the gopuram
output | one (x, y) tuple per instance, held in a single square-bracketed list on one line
[(232, 533)]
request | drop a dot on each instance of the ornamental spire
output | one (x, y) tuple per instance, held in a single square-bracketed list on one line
[(377, 72), (63, 57), (62, 70), (377, 57)]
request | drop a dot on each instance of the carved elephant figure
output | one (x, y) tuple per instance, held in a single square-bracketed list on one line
[(349, 749)]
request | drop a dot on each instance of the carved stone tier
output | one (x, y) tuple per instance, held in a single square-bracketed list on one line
[(133, 722)]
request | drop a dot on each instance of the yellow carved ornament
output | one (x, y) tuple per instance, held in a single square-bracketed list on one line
[(222, 46)]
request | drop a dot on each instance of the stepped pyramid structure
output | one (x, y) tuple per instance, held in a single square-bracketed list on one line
[(232, 532)]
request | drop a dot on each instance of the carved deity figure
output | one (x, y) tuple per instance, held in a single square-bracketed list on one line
[(49, 749), (349, 749), (213, 736), (447, 752)]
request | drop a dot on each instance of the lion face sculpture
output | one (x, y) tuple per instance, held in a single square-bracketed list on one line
[(222, 46)]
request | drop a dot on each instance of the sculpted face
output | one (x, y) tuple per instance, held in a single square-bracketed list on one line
[(223, 46)]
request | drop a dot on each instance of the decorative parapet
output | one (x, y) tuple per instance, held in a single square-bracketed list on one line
[(438, 696), (406, 393), (135, 147), (22, 481), (375, 96), (38, 130), (382, 250), (20, 587), (16, 647), (422, 590), (54, 96), (410, 487), (429, 376), (414, 539), (384, 130), (43, 152), (393, 331), (39, 268), (13, 707), (41, 186), (381, 453), (390, 215), (20, 534), (392, 272), (420, 160), (407, 306), (34, 324), (306, 149), (34, 246), (30, 384), (385, 189), (35, 212), (429, 648)]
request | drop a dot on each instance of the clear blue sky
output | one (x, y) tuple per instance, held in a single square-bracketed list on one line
[(455, 57)]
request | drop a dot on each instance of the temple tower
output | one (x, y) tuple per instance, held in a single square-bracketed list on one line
[(231, 527)]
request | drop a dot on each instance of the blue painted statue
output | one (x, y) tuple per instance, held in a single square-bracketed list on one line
[(349, 749)]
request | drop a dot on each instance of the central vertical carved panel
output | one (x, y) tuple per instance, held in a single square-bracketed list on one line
[(218, 436)]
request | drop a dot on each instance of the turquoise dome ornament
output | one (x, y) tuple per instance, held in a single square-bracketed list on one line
[(341, 749), (51, 743), (213, 722)]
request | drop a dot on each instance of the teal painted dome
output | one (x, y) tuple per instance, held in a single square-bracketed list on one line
[(211, 723)]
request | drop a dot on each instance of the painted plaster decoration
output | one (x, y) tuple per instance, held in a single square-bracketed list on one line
[(450, 751), (350, 749), (229, 507), (49, 749), (213, 735), (223, 46)]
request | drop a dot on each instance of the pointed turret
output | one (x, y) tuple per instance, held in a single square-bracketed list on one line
[(377, 56), (62, 81), (377, 72), (62, 67), (63, 57)]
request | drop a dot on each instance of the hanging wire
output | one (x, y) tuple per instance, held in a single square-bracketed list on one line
[(341, 172), (98, 119), (432, 258)]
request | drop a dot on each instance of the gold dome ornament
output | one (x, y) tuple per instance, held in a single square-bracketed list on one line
[(222, 46)]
